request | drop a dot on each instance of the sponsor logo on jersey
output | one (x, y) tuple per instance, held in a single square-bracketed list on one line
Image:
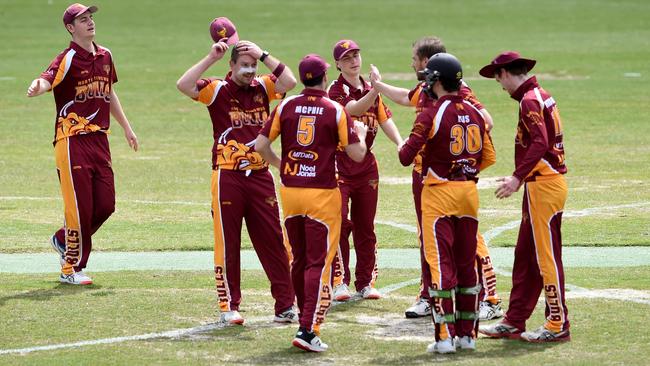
[(299, 170), (107, 69), (271, 201), (302, 155)]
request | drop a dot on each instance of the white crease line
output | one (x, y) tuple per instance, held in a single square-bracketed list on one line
[(178, 333)]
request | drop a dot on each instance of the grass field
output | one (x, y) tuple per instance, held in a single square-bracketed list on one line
[(592, 57)]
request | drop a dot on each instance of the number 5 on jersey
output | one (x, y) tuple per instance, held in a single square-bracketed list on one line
[(305, 132)]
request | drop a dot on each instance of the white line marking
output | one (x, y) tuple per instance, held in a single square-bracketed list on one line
[(405, 227), (178, 333)]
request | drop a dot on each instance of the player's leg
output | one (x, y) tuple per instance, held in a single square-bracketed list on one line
[(546, 203), (295, 231), (103, 188), (76, 189), (341, 264), (363, 208), (227, 213), (263, 224), (467, 293), (490, 305), (526, 284), (421, 307), (438, 235)]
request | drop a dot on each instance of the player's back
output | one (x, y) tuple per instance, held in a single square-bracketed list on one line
[(453, 151), (309, 126)]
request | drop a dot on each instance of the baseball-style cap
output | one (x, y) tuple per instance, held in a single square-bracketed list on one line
[(221, 28), (311, 67), (503, 59), (344, 46), (75, 10)]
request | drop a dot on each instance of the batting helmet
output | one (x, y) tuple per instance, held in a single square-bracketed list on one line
[(444, 67)]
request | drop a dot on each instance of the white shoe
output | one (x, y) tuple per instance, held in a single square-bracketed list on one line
[(309, 341), (490, 311), (231, 317), (342, 293), (419, 309), (59, 248), (288, 316), (445, 346), (370, 293), (466, 343), (76, 278)]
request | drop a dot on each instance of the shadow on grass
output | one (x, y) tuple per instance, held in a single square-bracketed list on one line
[(59, 289)]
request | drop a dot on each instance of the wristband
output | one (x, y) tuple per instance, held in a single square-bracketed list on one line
[(278, 70), (265, 54)]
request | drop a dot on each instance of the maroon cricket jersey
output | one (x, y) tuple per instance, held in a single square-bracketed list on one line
[(311, 127), (539, 149), (454, 147), (343, 92), (413, 148), (81, 82), (237, 113)]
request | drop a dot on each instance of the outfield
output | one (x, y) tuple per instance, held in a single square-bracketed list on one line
[(592, 57)]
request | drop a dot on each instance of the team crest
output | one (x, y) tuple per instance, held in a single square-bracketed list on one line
[(373, 183), (107, 69), (258, 98), (345, 45), (222, 32), (271, 201)]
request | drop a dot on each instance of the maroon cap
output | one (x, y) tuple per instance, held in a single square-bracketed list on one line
[(503, 59), (344, 46), (311, 67), (75, 10), (221, 28)]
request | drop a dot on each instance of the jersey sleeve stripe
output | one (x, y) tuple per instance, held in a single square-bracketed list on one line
[(208, 94), (64, 67), (438, 118)]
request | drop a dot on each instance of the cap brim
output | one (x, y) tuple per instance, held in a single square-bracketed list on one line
[(348, 50), (233, 39), (488, 70)]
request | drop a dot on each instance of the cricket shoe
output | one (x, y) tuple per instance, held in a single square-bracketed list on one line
[(419, 309), (309, 341), (543, 335), (59, 248), (466, 343), (76, 278), (231, 317), (342, 293), (490, 311), (370, 293), (500, 330), (445, 346), (288, 316)]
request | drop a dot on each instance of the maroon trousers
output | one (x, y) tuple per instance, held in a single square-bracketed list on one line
[(87, 185), (237, 196), (538, 255), (363, 193)]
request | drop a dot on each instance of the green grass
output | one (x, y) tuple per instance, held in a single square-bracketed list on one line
[(36, 310), (583, 48)]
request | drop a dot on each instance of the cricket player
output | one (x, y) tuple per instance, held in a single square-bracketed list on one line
[(457, 149), (411, 153), (311, 126), (359, 181), (540, 169), (81, 79), (242, 187)]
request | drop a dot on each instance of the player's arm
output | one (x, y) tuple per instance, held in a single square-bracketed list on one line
[(118, 113), (489, 123), (286, 80), (417, 138), (392, 132), (357, 151), (396, 94), (37, 87), (359, 107), (488, 154), (187, 83), (263, 146), (533, 121)]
